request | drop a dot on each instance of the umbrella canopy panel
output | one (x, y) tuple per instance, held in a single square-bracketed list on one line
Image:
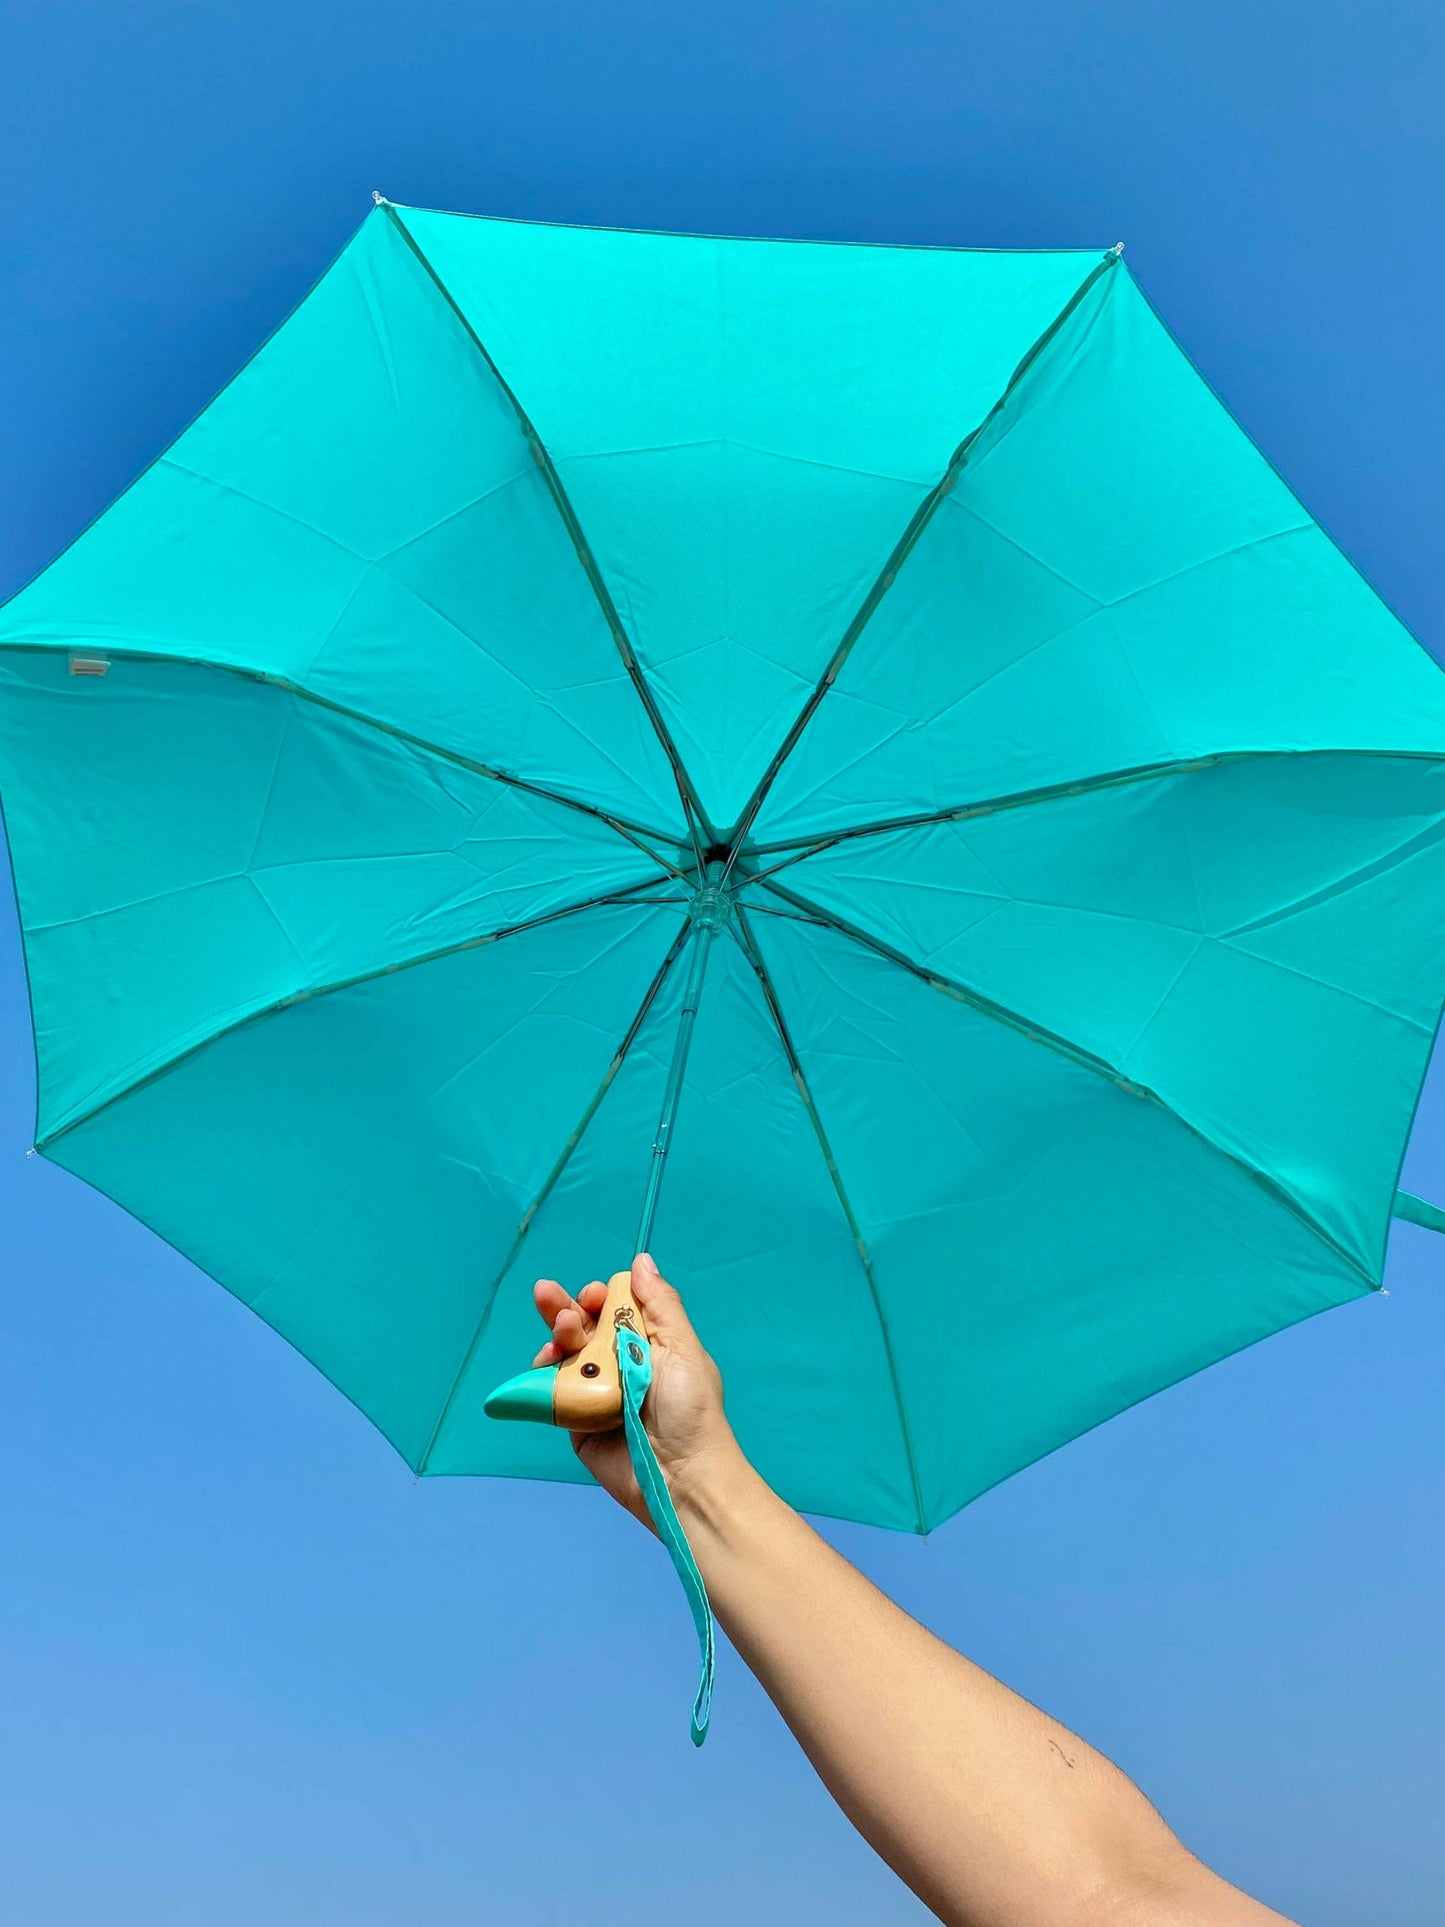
[(1081, 813)]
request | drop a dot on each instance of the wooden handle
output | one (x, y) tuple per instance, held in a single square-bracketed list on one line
[(587, 1394)]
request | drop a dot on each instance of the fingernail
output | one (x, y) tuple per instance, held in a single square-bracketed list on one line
[(645, 1259)]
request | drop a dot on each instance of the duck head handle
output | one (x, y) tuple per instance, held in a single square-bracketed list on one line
[(584, 1392)]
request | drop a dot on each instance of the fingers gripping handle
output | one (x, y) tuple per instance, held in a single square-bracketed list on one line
[(587, 1396), (584, 1392)]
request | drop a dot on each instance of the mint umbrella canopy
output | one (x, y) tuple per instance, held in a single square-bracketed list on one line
[(1080, 810)]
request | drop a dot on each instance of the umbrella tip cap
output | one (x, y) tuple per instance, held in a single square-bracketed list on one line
[(527, 1396)]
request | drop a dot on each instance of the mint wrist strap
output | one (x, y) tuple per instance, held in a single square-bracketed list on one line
[(634, 1358)]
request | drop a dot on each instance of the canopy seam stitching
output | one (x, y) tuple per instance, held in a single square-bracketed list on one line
[(1075, 1054), (691, 801), (631, 894), (754, 955), (548, 1185), (622, 826), (186, 428), (798, 849), (904, 546)]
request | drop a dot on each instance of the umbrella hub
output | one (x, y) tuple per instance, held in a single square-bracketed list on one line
[(711, 905)]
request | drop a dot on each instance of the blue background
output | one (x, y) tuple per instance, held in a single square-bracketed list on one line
[(249, 1670)]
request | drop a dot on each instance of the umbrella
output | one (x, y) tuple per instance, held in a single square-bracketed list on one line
[(889, 671)]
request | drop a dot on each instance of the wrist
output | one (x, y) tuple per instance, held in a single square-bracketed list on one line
[(713, 1484)]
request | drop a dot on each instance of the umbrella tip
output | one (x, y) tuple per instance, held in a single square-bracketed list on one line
[(379, 198), (1117, 250)]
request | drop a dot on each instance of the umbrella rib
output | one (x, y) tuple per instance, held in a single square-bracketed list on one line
[(548, 1185), (642, 835), (1037, 1034), (697, 817), (632, 894), (754, 955), (904, 547), (795, 849)]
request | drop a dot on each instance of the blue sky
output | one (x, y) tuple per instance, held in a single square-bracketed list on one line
[(249, 1669)]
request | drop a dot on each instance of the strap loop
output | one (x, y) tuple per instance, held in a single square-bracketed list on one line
[(634, 1359)]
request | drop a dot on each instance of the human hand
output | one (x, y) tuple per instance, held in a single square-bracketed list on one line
[(684, 1410)]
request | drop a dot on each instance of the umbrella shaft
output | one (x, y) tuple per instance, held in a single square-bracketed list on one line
[(702, 936)]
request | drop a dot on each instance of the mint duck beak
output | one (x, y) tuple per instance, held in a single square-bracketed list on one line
[(528, 1395)]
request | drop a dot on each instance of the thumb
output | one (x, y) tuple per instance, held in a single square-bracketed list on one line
[(660, 1303)]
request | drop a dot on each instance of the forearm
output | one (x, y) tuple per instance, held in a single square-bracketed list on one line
[(993, 1813)]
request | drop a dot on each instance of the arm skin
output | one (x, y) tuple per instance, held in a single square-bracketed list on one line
[(993, 1813)]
